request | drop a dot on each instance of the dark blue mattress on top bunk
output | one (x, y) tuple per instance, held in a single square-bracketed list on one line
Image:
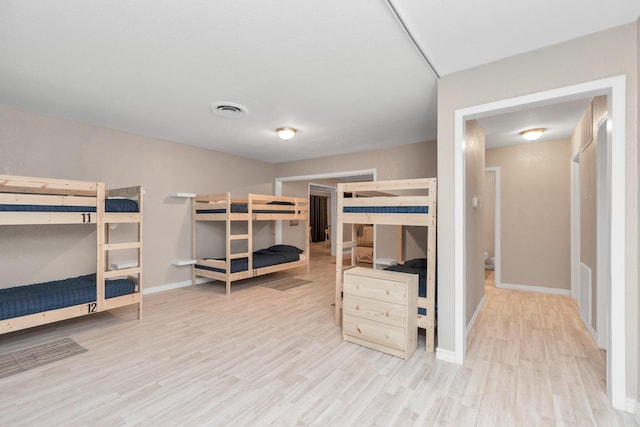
[(111, 205), (30, 299), (387, 209), (261, 258), (415, 266), (244, 208)]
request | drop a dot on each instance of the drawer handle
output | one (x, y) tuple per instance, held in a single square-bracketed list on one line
[(359, 331), (386, 313)]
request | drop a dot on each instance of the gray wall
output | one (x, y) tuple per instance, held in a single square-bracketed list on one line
[(535, 213), (35, 145), (596, 56)]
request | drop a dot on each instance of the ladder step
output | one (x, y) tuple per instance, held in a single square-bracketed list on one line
[(123, 272), (239, 237)]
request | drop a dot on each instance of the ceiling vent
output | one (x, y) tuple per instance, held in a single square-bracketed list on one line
[(228, 110)]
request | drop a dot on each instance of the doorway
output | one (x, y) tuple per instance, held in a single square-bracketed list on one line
[(494, 249), (614, 88)]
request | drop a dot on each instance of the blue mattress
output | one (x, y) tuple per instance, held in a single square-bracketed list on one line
[(261, 258), (244, 208), (111, 205), (422, 281), (23, 300), (387, 209)]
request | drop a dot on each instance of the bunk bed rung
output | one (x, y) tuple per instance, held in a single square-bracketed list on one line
[(120, 246), (124, 272), (122, 218), (239, 237)]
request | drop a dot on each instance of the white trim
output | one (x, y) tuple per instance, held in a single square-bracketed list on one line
[(633, 407), (587, 325), (575, 225), (615, 88), (497, 195), (446, 355), (171, 286), (476, 313), (617, 348), (603, 188), (459, 230), (531, 288)]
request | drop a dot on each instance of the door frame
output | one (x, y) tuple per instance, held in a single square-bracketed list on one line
[(497, 234), (614, 88), (603, 237)]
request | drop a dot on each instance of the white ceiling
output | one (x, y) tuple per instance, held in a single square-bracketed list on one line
[(343, 73)]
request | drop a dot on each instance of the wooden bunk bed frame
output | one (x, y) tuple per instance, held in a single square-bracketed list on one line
[(259, 208), (19, 190), (380, 194)]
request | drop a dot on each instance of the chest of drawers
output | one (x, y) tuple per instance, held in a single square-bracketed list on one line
[(380, 310)]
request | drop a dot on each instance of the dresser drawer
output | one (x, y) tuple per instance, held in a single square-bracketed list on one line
[(372, 309), (375, 332), (376, 288)]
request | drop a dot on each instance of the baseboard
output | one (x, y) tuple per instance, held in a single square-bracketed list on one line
[(592, 332), (633, 407), (476, 314), (529, 288), (171, 286), (447, 356)]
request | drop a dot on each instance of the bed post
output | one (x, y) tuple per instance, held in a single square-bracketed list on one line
[(228, 245), (140, 254), (337, 318), (100, 252), (193, 239), (431, 265)]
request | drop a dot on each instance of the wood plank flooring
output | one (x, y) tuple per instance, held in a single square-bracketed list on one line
[(268, 357)]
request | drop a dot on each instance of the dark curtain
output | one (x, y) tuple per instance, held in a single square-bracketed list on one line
[(318, 217)]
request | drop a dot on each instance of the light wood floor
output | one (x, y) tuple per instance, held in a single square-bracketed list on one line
[(267, 357)]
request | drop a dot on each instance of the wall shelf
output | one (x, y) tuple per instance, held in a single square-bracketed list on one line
[(183, 261), (182, 194), (123, 264)]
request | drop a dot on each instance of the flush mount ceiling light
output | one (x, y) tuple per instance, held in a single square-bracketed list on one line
[(532, 134), (286, 133)]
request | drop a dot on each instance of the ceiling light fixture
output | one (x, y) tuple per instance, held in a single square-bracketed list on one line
[(286, 133), (532, 134)]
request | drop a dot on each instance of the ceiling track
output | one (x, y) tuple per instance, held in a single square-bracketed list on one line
[(413, 40)]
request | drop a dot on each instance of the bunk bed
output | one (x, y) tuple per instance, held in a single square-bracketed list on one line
[(43, 201), (245, 264), (402, 203)]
